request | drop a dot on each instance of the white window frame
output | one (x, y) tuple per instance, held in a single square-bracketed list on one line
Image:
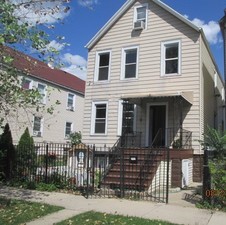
[(30, 83), (41, 126), (93, 117), (43, 100), (222, 94), (123, 63), (96, 75), (215, 79), (120, 117), (163, 61), (72, 128), (135, 14), (71, 108)]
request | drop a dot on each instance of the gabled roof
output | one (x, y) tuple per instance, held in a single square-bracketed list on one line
[(124, 8), (40, 70)]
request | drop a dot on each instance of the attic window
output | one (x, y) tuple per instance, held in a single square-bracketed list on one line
[(140, 16)]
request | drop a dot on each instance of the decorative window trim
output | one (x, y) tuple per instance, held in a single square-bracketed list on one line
[(36, 132), (71, 108), (123, 63), (163, 45), (135, 14), (96, 74), (93, 117), (66, 136)]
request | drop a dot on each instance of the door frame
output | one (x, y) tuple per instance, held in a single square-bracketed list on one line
[(148, 119)]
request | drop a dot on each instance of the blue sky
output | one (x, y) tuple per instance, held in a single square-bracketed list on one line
[(83, 22)]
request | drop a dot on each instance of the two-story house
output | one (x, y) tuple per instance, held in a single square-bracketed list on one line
[(60, 108), (152, 79)]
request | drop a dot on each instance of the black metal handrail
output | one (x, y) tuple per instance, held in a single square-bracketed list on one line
[(177, 138), (132, 139)]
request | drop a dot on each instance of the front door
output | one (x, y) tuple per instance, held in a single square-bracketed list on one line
[(157, 125)]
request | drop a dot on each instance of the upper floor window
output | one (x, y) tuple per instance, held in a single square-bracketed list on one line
[(26, 83), (171, 58), (102, 66), (130, 63), (37, 126), (71, 102), (140, 17), (99, 118), (42, 92)]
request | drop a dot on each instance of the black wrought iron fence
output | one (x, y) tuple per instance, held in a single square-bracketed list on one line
[(63, 165)]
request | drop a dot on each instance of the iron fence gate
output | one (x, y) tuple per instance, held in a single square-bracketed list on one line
[(132, 173)]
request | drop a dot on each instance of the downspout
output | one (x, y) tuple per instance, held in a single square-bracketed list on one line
[(222, 24)]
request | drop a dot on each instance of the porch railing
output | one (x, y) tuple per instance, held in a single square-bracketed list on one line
[(177, 138), (132, 139)]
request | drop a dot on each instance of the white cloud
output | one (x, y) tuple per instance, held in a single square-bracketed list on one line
[(75, 70), (87, 3), (47, 12), (75, 64), (56, 45), (211, 29)]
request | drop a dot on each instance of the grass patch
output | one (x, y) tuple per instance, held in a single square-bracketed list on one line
[(96, 218), (15, 212)]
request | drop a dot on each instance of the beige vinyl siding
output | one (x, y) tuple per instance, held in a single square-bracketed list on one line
[(162, 26), (53, 129), (212, 98)]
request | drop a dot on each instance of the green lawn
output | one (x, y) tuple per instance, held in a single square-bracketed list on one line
[(15, 212), (96, 218)]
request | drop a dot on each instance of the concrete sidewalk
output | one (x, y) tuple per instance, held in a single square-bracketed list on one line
[(73, 204)]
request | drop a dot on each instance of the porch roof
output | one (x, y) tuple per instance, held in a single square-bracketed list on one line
[(186, 95)]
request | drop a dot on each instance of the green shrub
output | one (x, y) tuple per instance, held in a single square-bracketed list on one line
[(26, 156), (7, 154)]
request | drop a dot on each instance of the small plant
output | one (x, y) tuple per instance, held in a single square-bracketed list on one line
[(216, 142), (75, 138)]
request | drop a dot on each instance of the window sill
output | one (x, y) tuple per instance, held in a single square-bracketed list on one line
[(98, 135), (129, 79), (101, 81), (172, 75)]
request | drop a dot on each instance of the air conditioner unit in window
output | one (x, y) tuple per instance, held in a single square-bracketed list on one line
[(37, 133), (71, 108), (139, 25)]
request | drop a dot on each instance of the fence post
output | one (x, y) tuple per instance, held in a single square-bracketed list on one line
[(122, 181), (87, 174), (167, 175), (206, 178), (47, 153), (93, 169)]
